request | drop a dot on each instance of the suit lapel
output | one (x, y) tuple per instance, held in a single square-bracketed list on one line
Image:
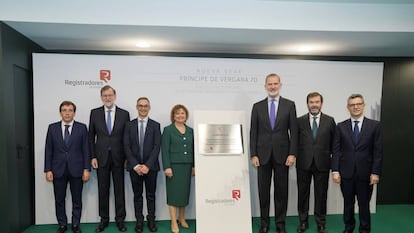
[(101, 119), (362, 131), (264, 108), (280, 109), (58, 129), (116, 120), (135, 131)]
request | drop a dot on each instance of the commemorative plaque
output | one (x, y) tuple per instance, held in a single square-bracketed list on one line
[(220, 139)]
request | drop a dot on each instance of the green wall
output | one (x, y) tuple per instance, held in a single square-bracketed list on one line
[(397, 117), (16, 191)]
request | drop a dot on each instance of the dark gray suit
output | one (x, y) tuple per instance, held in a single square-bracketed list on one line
[(272, 148), (314, 159), (109, 151), (151, 151)]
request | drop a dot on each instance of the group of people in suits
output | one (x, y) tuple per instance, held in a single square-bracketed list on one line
[(351, 150), (113, 143)]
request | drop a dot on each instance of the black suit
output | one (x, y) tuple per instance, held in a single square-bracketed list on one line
[(151, 150), (314, 159), (67, 163), (356, 161), (272, 148), (109, 151)]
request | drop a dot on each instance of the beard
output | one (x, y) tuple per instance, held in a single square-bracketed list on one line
[(273, 93)]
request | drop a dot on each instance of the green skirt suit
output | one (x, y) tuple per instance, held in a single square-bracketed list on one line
[(178, 154)]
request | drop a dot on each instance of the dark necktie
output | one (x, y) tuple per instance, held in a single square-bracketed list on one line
[(109, 121), (67, 135), (356, 130), (314, 127), (272, 114), (141, 138)]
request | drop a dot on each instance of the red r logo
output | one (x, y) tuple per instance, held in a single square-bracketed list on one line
[(235, 194), (105, 75)]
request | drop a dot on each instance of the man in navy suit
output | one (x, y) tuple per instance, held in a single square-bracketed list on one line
[(142, 140), (106, 131), (316, 131), (273, 147), (356, 162), (67, 160)]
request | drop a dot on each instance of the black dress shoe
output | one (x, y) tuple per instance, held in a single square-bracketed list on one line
[(121, 226), (322, 229), (302, 227), (76, 229), (139, 227), (152, 226), (263, 229), (61, 229), (101, 227)]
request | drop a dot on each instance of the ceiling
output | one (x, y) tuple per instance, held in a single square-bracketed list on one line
[(372, 28)]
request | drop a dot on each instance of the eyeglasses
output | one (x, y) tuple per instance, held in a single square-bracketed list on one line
[(142, 106), (355, 105)]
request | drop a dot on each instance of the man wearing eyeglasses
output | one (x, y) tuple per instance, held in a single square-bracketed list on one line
[(142, 141), (356, 162)]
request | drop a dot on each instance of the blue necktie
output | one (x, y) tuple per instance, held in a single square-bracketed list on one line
[(141, 138), (314, 127), (272, 114), (67, 135), (356, 130), (109, 121)]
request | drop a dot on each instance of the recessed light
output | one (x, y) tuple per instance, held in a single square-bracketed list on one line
[(143, 44), (305, 48)]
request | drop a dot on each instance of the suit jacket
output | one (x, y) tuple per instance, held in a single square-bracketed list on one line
[(101, 142), (363, 157), (177, 147), (318, 149), (75, 156), (282, 140), (152, 145)]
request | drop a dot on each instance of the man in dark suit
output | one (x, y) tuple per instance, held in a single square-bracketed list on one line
[(273, 146), (316, 131), (67, 160), (106, 131), (357, 162), (142, 141)]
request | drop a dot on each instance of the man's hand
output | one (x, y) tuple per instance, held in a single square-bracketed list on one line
[(49, 176), (255, 161), (373, 179), (290, 161), (336, 177), (85, 175), (94, 163)]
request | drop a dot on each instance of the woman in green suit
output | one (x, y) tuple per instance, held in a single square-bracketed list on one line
[(178, 163)]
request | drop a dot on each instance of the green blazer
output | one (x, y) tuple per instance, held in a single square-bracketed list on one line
[(177, 147)]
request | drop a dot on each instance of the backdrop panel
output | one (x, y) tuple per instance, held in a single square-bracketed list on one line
[(200, 84)]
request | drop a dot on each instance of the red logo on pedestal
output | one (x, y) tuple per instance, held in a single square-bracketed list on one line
[(235, 194), (105, 75)]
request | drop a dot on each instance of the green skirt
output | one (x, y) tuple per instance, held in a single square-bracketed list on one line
[(178, 187)]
